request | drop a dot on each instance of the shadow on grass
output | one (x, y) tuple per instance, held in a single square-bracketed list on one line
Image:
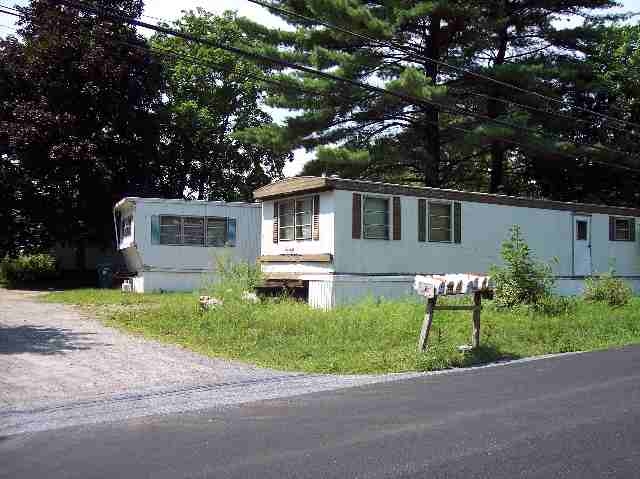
[(42, 340), (485, 354)]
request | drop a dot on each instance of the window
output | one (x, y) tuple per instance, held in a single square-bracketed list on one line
[(304, 212), (216, 231), (125, 226), (295, 219), (623, 229), (170, 230), (376, 218), (193, 231), (440, 222), (581, 230)]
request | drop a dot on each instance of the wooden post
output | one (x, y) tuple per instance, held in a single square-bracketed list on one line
[(426, 324), (477, 307)]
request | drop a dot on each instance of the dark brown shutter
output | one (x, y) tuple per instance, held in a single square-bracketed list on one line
[(422, 220), (275, 221), (397, 220), (457, 222), (356, 216), (316, 217), (612, 228), (632, 229)]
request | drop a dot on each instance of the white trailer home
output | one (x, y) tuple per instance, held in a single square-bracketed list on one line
[(171, 245), (341, 239)]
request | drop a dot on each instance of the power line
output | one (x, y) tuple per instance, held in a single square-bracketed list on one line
[(420, 55), (312, 71), (407, 98), (6, 12)]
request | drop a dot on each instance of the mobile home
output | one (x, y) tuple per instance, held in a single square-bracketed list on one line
[(342, 239), (171, 245)]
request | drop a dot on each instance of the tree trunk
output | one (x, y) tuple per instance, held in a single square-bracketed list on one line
[(431, 166), (496, 108)]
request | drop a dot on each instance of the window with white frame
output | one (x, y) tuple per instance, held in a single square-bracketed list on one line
[(375, 218), (440, 224), (295, 218)]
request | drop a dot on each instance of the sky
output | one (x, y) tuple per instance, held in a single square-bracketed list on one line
[(170, 10)]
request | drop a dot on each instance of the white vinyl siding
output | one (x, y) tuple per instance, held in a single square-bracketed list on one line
[(440, 224), (375, 218)]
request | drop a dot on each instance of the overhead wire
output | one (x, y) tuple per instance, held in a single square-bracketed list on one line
[(407, 49), (409, 99), (330, 76)]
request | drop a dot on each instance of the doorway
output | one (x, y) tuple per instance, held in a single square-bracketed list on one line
[(582, 245)]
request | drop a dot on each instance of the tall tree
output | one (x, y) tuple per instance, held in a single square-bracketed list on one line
[(79, 108), (480, 134), (409, 137), (210, 98)]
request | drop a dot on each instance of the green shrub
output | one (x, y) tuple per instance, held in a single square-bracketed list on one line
[(27, 269), (553, 305), (232, 278), (521, 280), (607, 288)]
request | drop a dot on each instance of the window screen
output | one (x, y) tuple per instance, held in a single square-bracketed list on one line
[(193, 230), (170, 227), (439, 222), (287, 220), (216, 231), (623, 229), (376, 218), (125, 229), (304, 213)]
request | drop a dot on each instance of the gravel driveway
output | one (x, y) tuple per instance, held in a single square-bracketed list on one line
[(59, 367), (54, 353)]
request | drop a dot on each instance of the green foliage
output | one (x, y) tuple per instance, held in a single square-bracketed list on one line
[(27, 269), (79, 105), (232, 278), (521, 280), (367, 337), (608, 289), (345, 162), (212, 104)]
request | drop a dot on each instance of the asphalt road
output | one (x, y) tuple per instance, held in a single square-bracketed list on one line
[(571, 416)]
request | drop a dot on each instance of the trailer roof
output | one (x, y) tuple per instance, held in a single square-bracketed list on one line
[(137, 199), (311, 184)]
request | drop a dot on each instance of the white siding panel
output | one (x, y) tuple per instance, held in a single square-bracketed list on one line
[(352, 289), (321, 294), (195, 259), (326, 243), (484, 227)]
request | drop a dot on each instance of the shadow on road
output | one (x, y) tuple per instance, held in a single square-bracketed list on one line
[(42, 340)]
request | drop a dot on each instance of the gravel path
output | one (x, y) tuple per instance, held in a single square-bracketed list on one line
[(59, 367)]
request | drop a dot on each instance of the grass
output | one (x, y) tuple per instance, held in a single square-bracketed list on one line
[(365, 338)]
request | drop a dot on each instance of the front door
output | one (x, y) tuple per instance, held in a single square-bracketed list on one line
[(582, 245)]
